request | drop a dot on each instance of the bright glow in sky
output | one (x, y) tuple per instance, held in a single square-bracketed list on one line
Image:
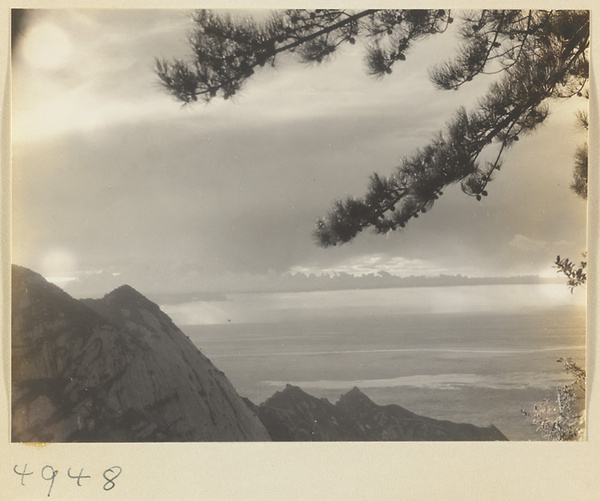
[(133, 188), (58, 261), (46, 46)]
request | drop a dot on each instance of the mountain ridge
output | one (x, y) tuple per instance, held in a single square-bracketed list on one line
[(93, 371), (294, 415), (117, 369)]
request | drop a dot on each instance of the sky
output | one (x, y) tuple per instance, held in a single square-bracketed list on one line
[(115, 182)]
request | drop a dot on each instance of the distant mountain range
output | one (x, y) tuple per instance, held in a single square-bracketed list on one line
[(117, 369), (299, 282)]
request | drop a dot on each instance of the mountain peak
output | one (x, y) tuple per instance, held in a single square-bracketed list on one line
[(290, 394), (354, 397), (113, 369), (355, 391), (132, 311), (123, 298), (126, 293)]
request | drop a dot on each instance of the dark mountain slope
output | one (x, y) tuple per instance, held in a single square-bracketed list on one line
[(118, 369), (293, 415), (113, 369)]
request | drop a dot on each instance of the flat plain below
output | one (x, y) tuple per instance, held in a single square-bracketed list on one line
[(476, 354)]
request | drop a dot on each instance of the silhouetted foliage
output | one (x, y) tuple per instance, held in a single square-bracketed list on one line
[(564, 418), (580, 172), (227, 51), (541, 55), (575, 274)]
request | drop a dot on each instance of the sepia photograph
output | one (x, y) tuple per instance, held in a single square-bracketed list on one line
[(298, 225)]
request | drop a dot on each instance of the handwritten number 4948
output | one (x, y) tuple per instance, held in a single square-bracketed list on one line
[(49, 474)]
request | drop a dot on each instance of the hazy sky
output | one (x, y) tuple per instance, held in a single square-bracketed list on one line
[(115, 182)]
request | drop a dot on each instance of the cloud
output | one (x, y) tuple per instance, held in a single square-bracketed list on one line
[(108, 166), (373, 264), (526, 244), (46, 46), (74, 73)]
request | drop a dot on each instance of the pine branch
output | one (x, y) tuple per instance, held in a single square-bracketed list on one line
[(227, 53), (224, 62), (516, 103), (543, 55)]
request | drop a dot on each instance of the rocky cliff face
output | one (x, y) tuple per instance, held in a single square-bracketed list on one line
[(113, 369), (293, 415)]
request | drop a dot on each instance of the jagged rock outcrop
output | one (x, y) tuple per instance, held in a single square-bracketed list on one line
[(294, 415), (113, 369)]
